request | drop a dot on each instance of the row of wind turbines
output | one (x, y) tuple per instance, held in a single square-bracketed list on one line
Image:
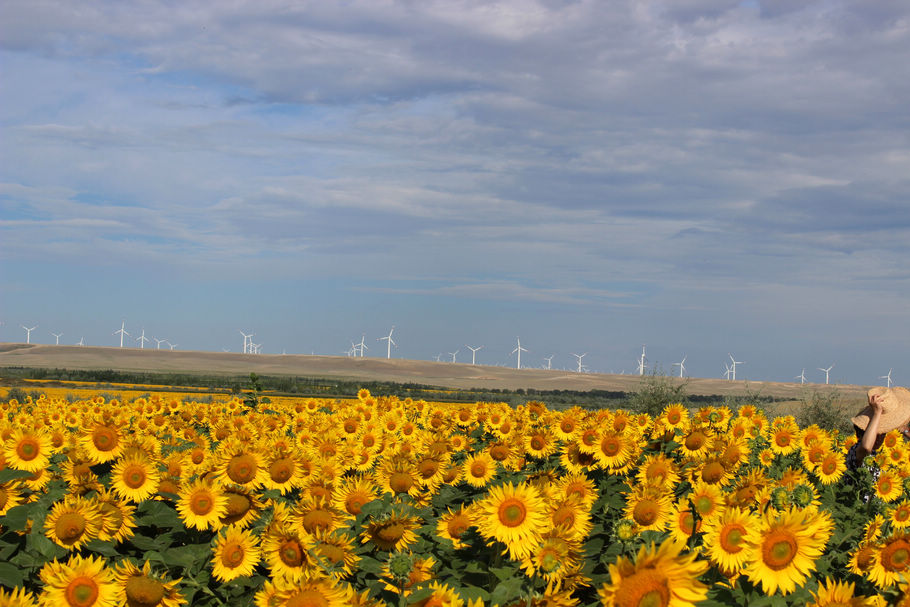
[(358, 349)]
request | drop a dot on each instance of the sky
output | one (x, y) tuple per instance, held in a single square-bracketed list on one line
[(703, 177)]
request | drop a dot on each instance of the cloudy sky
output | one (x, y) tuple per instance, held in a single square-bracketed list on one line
[(702, 176)]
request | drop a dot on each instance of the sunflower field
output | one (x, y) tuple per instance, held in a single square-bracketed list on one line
[(379, 501)]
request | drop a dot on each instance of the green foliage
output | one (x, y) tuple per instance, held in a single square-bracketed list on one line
[(655, 392), (827, 410)]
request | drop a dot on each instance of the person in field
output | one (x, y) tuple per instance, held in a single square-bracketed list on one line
[(888, 409)]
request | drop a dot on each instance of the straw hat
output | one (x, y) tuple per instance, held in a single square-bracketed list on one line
[(895, 409)]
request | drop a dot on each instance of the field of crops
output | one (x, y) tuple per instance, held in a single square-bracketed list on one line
[(158, 500)]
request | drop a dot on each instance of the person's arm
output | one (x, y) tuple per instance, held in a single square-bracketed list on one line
[(867, 445)]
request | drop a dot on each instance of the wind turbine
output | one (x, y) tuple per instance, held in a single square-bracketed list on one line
[(452, 354), (28, 333), (81, 341), (57, 335), (682, 365), (158, 342), (888, 377), (390, 344), (247, 340), (579, 357), (641, 361), (827, 371), (549, 360), (362, 345), (142, 339), (121, 331), (473, 352), (519, 349), (735, 362), (801, 377), (727, 372), (172, 346)]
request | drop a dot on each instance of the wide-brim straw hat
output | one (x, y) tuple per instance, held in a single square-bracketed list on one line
[(895, 409)]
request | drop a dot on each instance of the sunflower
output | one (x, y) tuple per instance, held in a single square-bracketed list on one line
[(514, 515), (285, 553), (283, 472), (243, 507), (398, 475), (674, 417), (784, 439), (316, 513), (554, 558), (441, 595), (80, 582), (141, 589), (899, 515), (28, 450), (403, 571), (311, 592), (890, 561), (658, 576), (832, 593), (333, 552), (431, 470), (241, 465), (73, 522), (202, 505), (568, 426), (354, 493), (135, 478), (574, 460), (236, 553), (648, 508), (479, 469), (103, 443), (579, 486), (713, 472), (454, 524), (696, 443), (572, 516), (683, 522), (118, 521), (784, 552), (708, 499), (392, 531), (614, 450), (861, 559), (541, 443), (17, 597), (726, 538), (831, 468), (659, 471), (889, 486), (10, 497)]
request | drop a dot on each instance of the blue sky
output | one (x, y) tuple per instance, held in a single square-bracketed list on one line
[(702, 176)]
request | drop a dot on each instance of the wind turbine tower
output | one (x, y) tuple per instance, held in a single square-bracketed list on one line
[(142, 339), (827, 371), (519, 349), (682, 366), (57, 335), (390, 344), (473, 352), (28, 333), (641, 361), (888, 377), (247, 340), (121, 331), (579, 357), (735, 362)]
